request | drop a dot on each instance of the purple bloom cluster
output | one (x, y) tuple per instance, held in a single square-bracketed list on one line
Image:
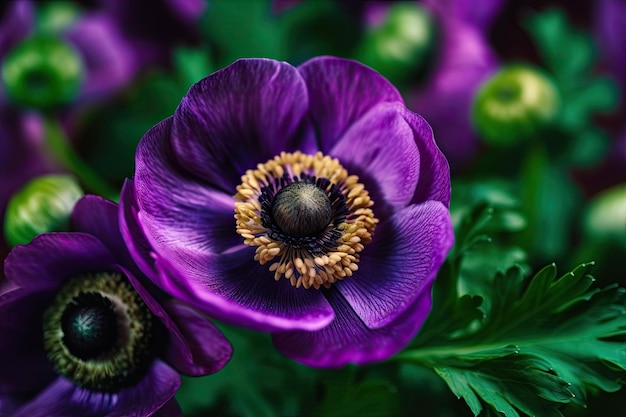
[(340, 198)]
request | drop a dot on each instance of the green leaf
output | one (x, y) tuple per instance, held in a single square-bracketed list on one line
[(345, 394), (543, 342), (242, 28), (253, 384), (550, 202), (567, 52)]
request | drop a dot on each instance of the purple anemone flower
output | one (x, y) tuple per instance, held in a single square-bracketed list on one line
[(83, 333), (340, 197)]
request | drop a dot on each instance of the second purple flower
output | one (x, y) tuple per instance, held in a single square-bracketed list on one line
[(340, 202)]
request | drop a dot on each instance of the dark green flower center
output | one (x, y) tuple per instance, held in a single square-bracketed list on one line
[(302, 209), (89, 325), (98, 332)]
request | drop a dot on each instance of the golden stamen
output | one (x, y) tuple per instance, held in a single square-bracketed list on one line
[(331, 261)]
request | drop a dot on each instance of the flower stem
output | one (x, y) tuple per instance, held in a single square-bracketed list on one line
[(58, 145)]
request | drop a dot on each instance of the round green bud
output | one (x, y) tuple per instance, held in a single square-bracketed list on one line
[(42, 72), (54, 16), (605, 217), (401, 46), (515, 104), (42, 205)]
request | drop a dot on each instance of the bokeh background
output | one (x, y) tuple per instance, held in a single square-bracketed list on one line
[(551, 154)]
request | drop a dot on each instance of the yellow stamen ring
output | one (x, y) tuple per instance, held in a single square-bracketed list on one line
[(311, 261)]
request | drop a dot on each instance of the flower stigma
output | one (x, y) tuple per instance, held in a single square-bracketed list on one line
[(306, 217), (98, 332)]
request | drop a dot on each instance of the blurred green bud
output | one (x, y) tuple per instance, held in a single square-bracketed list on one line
[(42, 72), (54, 16), (401, 46), (515, 104), (43, 205), (605, 217)]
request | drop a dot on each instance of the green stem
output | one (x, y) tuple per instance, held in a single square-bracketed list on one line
[(64, 153)]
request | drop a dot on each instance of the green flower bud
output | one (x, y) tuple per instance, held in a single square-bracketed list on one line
[(42, 72), (401, 47), (54, 16), (515, 104), (605, 217), (42, 205)]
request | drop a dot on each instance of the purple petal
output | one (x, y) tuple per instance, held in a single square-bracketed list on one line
[(51, 258), (204, 350), (238, 290), (401, 263), (176, 209), (97, 216), (434, 172), (109, 63), (242, 115), (348, 340), (170, 409), (63, 398), (380, 149), (195, 346), (341, 91), (24, 366), (154, 391), (132, 232)]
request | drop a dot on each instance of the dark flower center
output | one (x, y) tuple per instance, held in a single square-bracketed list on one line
[(89, 325), (306, 217), (302, 209), (99, 333)]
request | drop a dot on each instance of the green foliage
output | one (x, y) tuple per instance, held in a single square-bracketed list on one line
[(345, 394), (521, 346), (257, 382), (242, 28), (570, 55), (111, 138)]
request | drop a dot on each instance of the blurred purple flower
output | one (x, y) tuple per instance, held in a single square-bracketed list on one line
[(463, 61), (83, 333), (282, 147), (154, 28)]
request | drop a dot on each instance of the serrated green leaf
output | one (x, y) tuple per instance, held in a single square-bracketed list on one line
[(544, 342)]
